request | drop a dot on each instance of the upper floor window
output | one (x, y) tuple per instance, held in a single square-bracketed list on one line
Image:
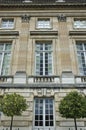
[(7, 23), (43, 23), (81, 54), (43, 58), (5, 57), (79, 23)]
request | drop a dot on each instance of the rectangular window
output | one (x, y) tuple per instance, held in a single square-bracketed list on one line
[(43, 58), (5, 57), (81, 54), (44, 113), (79, 23), (43, 23), (7, 23)]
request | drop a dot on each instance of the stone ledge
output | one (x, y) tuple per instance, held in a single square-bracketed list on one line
[(44, 33), (73, 33), (43, 85), (2, 33)]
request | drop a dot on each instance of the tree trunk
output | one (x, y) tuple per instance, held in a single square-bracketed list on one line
[(11, 123), (75, 123)]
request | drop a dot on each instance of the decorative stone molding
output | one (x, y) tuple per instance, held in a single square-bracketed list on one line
[(43, 92), (25, 18), (62, 18)]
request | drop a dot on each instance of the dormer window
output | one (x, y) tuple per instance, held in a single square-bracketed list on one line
[(27, 1), (60, 0)]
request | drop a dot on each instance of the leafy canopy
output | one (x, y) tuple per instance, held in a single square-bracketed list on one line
[(13, 104), (73, 105)]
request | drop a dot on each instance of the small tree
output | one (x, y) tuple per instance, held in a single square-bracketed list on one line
[(13, 104), (73, 106)]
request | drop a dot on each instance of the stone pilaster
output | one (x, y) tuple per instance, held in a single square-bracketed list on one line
[(24, 36), (64, 43)]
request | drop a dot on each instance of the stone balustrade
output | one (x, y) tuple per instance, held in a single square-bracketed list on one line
[(42, 79), (6, 79)]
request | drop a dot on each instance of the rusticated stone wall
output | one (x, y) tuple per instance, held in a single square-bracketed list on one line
[(26, 120)]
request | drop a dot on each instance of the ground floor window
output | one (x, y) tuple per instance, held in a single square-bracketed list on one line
[(44, 112)]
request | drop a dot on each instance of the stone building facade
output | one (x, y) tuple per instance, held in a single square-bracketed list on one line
[(42, 57)]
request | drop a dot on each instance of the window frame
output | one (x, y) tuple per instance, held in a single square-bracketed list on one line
[(80, 51), (3, 52), (51, 51), (44, 114), (79, 19), (43, 18), (7, 27)]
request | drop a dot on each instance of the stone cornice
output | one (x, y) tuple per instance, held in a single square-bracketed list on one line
[(42, 85), (42, 6)]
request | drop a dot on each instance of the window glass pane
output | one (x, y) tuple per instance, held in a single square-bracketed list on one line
[(47, 123), (51, 117), (1, 47), (51, 123), (41, 123), (47, 117), (36, 123), (8, 47), (36, 117)]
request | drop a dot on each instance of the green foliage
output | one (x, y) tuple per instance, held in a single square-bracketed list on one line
[(13, 104), (84, 107), (73, 106)]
